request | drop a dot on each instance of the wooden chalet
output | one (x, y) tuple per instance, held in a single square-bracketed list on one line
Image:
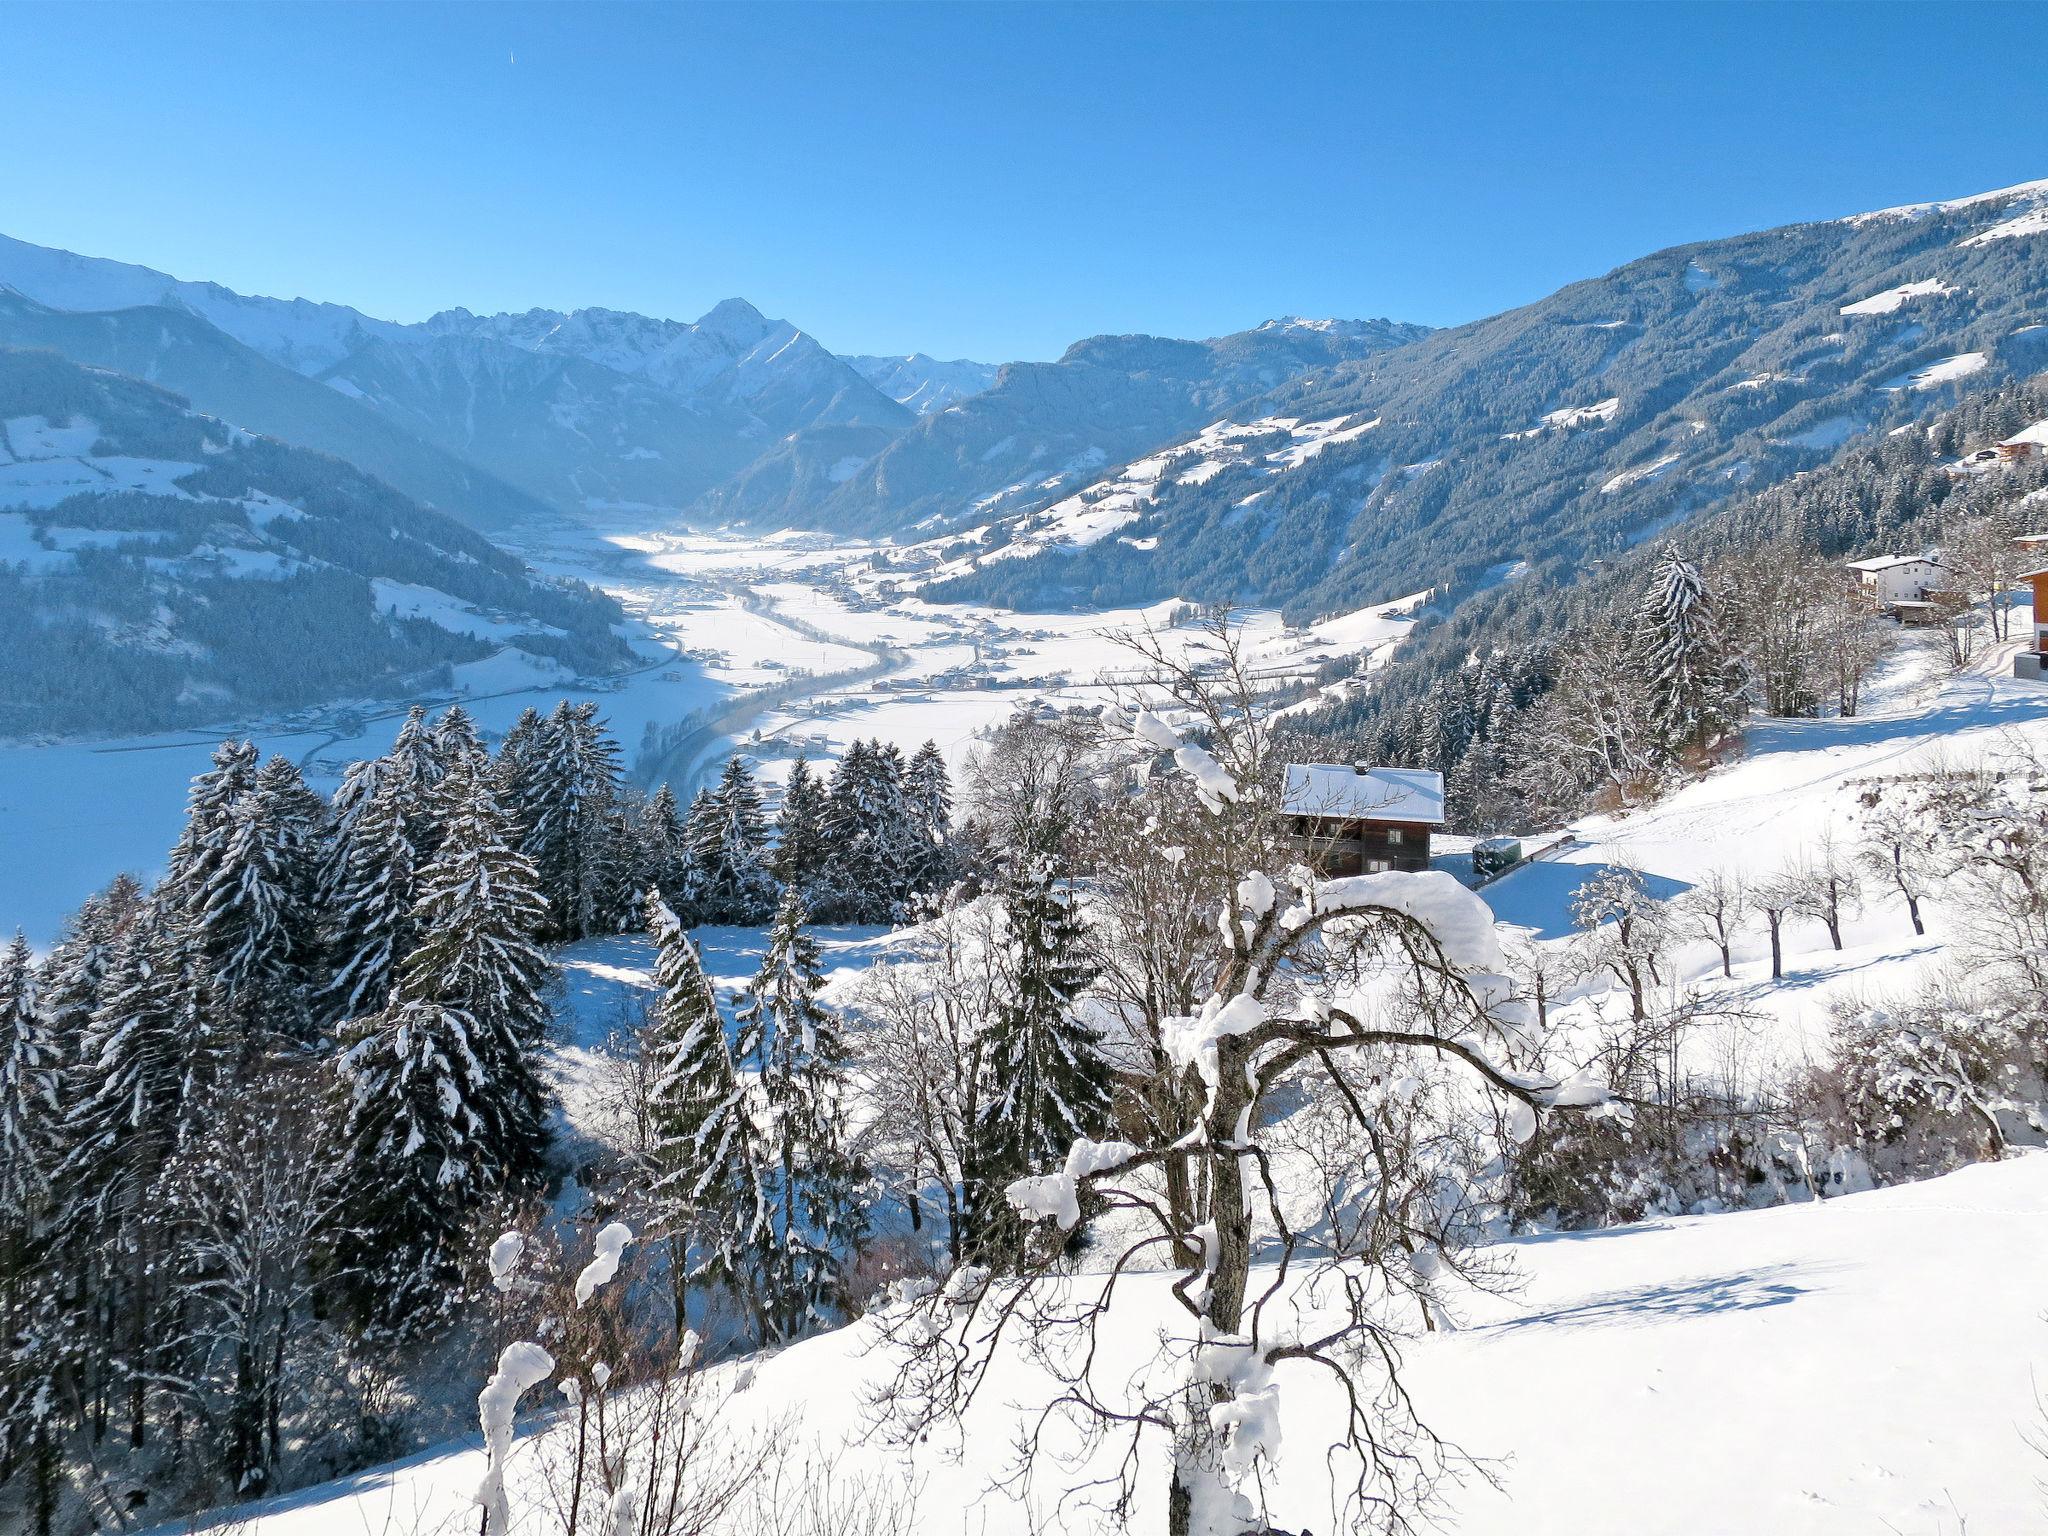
[(2034, 664), (1359, 820)]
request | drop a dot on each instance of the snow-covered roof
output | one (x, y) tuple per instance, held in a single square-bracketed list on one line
[(1363, 793), (1888, 562)]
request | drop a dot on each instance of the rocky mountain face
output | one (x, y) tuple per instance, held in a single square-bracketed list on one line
[(1559, 432)]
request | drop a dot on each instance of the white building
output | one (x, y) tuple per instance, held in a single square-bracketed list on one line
[(1894, 579)]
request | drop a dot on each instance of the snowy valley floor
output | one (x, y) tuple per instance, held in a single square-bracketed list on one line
[(1865, 1365)]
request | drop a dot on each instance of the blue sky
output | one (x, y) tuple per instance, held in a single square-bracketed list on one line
[(985, 180)]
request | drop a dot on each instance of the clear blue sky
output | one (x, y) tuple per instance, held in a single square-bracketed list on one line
[(985, 180)]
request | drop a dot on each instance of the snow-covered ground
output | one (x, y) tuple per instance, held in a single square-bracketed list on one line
[(1803, 1369), (1793, 787), (1811, 1370)]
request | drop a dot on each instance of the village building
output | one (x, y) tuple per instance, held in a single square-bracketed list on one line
[(2034, 664), (1359, 820), (1893, 579)]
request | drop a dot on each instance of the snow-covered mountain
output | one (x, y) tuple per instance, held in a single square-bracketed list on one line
[(925, 384), (1585, 422), (160, 567), (1042, 429), (584, 411)]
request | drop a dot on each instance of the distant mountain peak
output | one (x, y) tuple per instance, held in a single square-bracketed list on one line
[(735, 318)]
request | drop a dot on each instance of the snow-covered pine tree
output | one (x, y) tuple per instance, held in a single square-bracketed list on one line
[(455, 739), (442, 1105), (150, 1064), (189, 868), (865, 826), (371, 886), (253, 914), (513, 768), (801, 850), (664, 845), (1047, 1081), (572, 781), (729, 847), (74, 976), (476, 919), (416, 765), (28, 1105), (1687, 667), (702, 1144), (810, 1179), (928, 799)]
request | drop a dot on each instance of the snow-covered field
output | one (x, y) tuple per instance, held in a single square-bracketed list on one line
[(1810, 1370)]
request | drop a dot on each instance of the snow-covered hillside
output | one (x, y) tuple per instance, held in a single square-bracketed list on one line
[(1809, 1369)]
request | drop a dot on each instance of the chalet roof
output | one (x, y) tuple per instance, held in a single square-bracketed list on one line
[(2032, 575), (1363, 793), (1890, 562)]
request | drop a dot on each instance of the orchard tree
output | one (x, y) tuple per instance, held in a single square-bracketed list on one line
[(1297, 959)]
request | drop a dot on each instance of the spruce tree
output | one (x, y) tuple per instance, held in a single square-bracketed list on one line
[(1046, 1080), (703, 1152), (28, 1104), (1686, 665), (810, 1178), (928, 802), (729, 850), (253, 913), (571, 778), (664, 846), (371, 888), (151, 1062), (802, 850), (442, 1105), (190, 867)]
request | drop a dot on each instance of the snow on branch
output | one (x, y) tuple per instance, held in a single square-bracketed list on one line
[(1058, 1195), (520, 1366), (611, 1246)]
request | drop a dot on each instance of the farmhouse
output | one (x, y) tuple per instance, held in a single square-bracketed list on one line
[(1359, 820), (2034, 663), (1892, 580)]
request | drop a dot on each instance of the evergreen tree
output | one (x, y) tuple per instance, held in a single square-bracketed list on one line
[(1047, 1082), (28, 1099), (572, 779), (416, 768), (189, 870), (928, 801), (706, 1191), (1690, 694), (74, 976), (371, 891), (867, 828), (455, 739), (442, 1105), (810, 1179), (151, 1061), (728, 846), (252, 915), (802, 849), (664, 845)]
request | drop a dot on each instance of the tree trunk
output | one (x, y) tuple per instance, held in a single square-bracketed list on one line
[(1776, 920)]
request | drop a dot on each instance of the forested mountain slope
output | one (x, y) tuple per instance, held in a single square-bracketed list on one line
[(183, 352), (1572, 427), (160, 567), (1044, 427)]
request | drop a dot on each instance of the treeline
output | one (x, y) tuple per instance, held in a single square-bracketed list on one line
[(252, 1118)]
